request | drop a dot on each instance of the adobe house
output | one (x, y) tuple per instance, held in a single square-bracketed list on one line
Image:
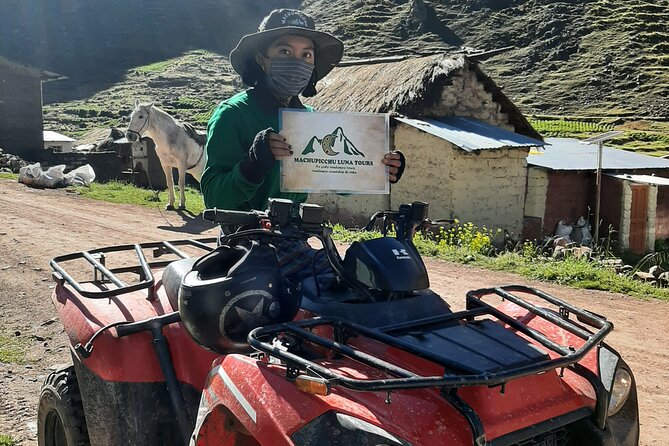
[(21, 108), (634, 198), (466, 143), (57, 142)]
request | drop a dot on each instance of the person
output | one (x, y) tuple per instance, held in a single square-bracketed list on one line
[(280, 62)]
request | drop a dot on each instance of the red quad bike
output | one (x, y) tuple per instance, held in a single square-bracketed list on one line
[(220, 349)]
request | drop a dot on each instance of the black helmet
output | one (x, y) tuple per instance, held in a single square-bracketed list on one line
[(231, 291)]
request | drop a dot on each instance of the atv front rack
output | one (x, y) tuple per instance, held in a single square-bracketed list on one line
[(454, 376), (142, 268)]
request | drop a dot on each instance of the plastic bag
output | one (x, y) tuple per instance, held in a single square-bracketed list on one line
[(81, 176), (29, 174), (55, 176), (584, 228), (563, 229)]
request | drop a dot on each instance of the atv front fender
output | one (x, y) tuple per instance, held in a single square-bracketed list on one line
[(245, 402)]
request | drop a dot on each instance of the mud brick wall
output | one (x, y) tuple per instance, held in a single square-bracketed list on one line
[(487, 188), (662, 217), (611, 203), (537, 188), (567, 198), (20, 111)]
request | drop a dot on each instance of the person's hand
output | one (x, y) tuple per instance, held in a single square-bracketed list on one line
[(267, 147), (395, 162), (279, 146)]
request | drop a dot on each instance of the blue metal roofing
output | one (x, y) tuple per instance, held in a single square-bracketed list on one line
[(571, 154), (471, 134)]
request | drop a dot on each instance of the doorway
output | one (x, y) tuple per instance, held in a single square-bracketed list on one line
[(638, 218)]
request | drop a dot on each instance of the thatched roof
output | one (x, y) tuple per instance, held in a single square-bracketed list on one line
[(408, 87)]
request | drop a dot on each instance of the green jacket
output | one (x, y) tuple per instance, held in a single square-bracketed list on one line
[(230, 133)]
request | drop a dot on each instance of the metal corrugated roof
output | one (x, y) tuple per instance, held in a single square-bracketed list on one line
[(571, 154), (471, 134), (52, 136), (644, 179)]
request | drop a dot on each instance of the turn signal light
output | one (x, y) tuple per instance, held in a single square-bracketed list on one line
[(313, 385)]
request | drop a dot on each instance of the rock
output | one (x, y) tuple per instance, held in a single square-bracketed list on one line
[(644, 277), (655, 270), (626, 269), (559, 252), (49, 321), (614, 264), (562, 241)]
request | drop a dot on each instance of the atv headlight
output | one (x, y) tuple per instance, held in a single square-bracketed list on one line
[(616, 377), (334, 428), (620, 390)]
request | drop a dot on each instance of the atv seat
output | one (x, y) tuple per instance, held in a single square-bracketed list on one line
[(172, 277), (344, 304)]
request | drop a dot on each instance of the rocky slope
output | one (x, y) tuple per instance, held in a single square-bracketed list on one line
[(601, 57), (570, 57)]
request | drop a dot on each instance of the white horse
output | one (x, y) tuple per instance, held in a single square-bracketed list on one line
[(177, 145)]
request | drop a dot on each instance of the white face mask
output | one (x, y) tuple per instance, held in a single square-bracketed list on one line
[(288, 76)]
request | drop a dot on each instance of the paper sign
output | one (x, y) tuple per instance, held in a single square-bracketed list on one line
[(335, 152)]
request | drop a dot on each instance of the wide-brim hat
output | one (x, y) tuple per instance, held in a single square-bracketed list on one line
[(329, 49)]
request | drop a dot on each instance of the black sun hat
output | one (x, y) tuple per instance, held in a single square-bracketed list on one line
[(329, 49)]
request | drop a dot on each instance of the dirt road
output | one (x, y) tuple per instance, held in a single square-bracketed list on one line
[(36, 225)]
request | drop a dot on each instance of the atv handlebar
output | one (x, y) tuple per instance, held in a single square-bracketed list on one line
[(234, 218)]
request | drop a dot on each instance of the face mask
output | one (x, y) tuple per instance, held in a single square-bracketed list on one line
[(287, 77)]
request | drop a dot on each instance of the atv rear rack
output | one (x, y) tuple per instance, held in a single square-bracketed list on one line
[(142, 268), (453, 377)]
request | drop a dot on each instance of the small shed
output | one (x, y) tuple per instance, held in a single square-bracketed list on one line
[(465, 142), (634, 198), (21, 108), (137, 161), (57, 142)]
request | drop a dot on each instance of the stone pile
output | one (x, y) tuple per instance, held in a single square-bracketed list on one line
[(10, 163)]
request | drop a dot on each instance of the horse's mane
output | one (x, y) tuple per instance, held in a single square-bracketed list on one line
[(193, 133)]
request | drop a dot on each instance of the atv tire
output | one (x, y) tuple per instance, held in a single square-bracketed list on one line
[(60, 414)]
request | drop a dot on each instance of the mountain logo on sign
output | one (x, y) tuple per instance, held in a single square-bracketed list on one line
[(333, 144)]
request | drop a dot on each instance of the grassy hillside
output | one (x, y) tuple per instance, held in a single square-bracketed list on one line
[(188, 87), (579, 57), (607, 59)]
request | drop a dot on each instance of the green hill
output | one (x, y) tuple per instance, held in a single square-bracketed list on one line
[(605, 60)]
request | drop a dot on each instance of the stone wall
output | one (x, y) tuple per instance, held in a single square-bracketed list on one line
[(20, 111), (652, 214), (466, 96), (624, 237), (106, 165)]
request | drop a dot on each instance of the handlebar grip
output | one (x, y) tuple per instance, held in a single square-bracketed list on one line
[(227, 217)]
